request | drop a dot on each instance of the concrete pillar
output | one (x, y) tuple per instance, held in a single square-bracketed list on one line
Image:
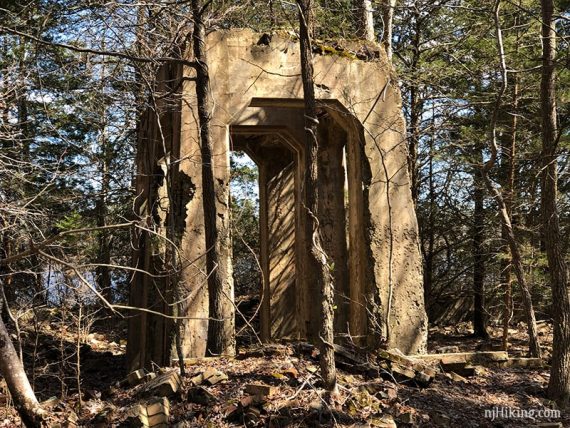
[(305, 299), (332, 215), (265, 290), (281, 238), (357, 239), (277, 180), (193, 280)]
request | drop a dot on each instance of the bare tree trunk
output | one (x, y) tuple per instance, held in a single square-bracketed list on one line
[(534, 344), (416, 109), (479, 315), (427, 231), (413, 142), (364, 20), (388, 7), (19, 386), (221, 334), (559, 384), (509, 192), (317, 258), (430, 231)]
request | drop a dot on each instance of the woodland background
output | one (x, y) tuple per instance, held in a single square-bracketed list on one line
[(76, 75)]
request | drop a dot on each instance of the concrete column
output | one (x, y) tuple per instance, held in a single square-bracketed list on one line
[(265, 314), (277, 194), (305, 304), (357, 240), (332, 215), (281, 239), (149, 335), (193, 288)]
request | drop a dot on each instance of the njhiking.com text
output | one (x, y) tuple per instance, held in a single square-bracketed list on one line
[(517, 413)]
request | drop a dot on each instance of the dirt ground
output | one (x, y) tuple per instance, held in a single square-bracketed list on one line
[(363, 400)]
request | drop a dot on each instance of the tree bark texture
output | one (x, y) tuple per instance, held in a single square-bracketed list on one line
[(416, 111), (559, 384), (429, 230), (479, 311), (221, 332), (19, 386), (509, 151), (317, 258), (364, 20), (388, 7)]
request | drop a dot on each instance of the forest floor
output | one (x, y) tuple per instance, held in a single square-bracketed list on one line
[(295, 399)]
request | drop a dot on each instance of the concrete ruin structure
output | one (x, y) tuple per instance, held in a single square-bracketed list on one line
[(366, 214)]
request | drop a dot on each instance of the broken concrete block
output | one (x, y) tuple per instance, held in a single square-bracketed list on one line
[(457, 378), (150, 376), (394, 356), (198, 379), (136, 377), (429, 371), (232, 411), (403, 371), (209, 372), (160, 405), (447, 350), (406, 367), (165, 385), (210, 376), (530, 363), (217, 378), (243, 410), (480, 357), (153, 414), (259, 389), (480, 370), (462, 369)]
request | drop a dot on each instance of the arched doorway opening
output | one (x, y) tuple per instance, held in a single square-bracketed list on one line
[(271, 133)]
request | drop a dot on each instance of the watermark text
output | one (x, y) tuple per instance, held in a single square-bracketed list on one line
[(517, 413)]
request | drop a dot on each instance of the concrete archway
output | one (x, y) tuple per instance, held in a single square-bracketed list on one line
[(268, 130), (367, 216)]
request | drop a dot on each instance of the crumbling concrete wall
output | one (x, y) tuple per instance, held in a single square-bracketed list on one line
[(367, 214), (159, 136)]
